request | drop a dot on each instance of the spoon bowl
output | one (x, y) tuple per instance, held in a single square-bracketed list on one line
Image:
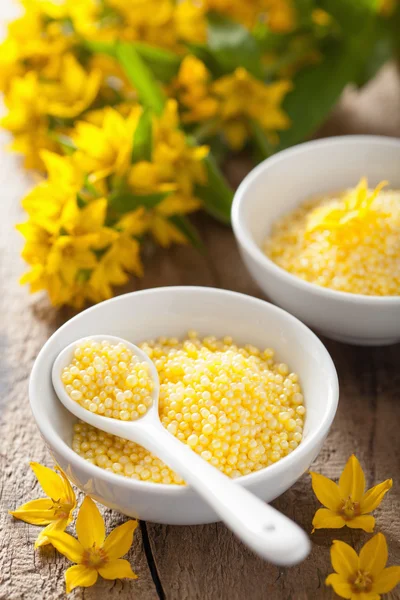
[(267, 532), (108, 424)]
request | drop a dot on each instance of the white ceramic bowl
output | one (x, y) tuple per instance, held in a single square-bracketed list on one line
[(281, 183), (172, 311)]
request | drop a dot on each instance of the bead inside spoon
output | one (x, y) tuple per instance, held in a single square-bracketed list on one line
[(262, 528)]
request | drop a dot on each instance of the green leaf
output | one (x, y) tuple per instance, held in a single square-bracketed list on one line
[(123, 202), (350, 14), (83, 275), (143, 138), (89, 187), (101, 47), (317, 88), (269, 41), (81, 202), (232, 45), (264, 147), (216, 195), (382, 51), (182, 223), (141, 77), (304, 10), (164, 64), (67, 145)]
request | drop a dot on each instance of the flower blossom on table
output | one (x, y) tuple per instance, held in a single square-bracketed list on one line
[(364, 576), (55, 511), (347, 503), (93, 552)]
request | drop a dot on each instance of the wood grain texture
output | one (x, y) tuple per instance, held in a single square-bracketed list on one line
[(203, 562)]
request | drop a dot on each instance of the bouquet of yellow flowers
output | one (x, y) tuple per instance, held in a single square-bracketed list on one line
[(127, 107)]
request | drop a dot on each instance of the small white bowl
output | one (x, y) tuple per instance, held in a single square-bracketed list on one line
[(277, 186), (172, 311)]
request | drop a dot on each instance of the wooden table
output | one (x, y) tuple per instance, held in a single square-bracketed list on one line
[(202, 562)]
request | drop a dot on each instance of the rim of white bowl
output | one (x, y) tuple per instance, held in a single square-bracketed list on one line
[(312, 440), (246, 240)]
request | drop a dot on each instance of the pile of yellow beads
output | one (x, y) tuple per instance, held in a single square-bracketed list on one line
[(108, 379), (349, 242), (235, 406)]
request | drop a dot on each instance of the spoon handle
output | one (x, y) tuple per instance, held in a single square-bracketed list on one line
[(266, 531)]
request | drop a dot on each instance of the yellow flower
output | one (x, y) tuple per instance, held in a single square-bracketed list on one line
[(149, 21), (44, 204), (114, 84), (190, 22), (33, 42), (362, 577), (243, 98), (164, 232), (122, 257), (62, 236), (32, 101), (321, 17), (85, 16), (347, 503), (26, 120), (280, 15), (59, 260), (176, 160), (10, 66), (73, 92), (350, 218), (192, 87), (54, 511), (93, 553), (176, 167), (106, 148)]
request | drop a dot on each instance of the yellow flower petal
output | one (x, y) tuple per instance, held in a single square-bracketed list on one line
[(117, 569), (120, 540), (387, 580), (352, 480), (69, 494), (326, 519), (67, 545), (165, 233), (42, 539), (365, 522), (344, 559), (341, 587), (90, 525), (52, 484), (79, 575), (373, 497), (326, 491), (374, 555), (36, 512), (235, 133)]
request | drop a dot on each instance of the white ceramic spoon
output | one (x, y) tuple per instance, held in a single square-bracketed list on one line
[(266, 531)]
